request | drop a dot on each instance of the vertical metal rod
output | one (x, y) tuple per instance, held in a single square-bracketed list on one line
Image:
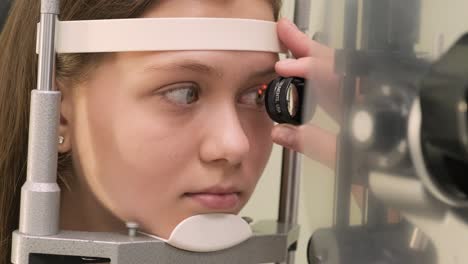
[(302, 15), (289, 192), (46, 60), (344, 154), (40, 194), (290, 177), (50, 10), (291, 166), (364, 209), (376, 212), (343, 165)]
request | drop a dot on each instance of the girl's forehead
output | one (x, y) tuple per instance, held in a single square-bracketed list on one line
[(214, 63)]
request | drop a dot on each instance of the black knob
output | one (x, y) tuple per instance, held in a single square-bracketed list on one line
[(444, 122), (378, 126)]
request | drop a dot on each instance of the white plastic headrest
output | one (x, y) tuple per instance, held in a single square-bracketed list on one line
[(209, 232), (165, 34)]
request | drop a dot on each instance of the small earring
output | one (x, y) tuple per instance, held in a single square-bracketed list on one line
[(61, 139)]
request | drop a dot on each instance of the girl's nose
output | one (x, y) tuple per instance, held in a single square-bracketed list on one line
[(225, 138)]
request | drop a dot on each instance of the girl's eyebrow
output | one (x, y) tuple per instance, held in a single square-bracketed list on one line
[(185, 65), (265, 72), (199, 67)]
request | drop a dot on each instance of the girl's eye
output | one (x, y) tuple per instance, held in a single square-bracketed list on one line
[(253, 97), (182, 94)]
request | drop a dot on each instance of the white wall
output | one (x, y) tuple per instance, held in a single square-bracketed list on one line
[(442, 23)]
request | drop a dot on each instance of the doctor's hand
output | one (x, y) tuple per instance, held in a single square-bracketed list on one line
[(314, 62)]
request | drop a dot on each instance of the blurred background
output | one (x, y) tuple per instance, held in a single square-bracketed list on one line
[(441, 23)]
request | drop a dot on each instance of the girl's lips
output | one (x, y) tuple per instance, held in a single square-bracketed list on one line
[(216, 201)]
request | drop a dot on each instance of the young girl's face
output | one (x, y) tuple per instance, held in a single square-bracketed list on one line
[(160, 136)]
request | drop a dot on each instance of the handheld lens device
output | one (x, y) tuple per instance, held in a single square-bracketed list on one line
[(284, 99)]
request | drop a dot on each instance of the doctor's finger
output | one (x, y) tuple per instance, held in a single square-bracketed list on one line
[(307, 67), (310, 140), (299, 43)]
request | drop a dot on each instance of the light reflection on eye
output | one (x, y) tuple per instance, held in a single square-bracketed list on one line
[(184, 94), (253, 97)]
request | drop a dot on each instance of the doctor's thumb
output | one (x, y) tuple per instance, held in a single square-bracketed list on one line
[(311, 140), (286, 135)]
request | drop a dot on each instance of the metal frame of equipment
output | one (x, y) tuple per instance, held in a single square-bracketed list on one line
[(39, 234)]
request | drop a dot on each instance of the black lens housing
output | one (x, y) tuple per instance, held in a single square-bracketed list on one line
[(278, 100)]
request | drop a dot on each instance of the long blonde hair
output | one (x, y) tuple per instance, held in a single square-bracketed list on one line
[(18, 73)]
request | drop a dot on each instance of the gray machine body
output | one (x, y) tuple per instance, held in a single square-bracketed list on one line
[(269, 244), (413, 164)]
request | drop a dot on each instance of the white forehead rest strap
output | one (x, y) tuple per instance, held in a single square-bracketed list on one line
[(166, 34)]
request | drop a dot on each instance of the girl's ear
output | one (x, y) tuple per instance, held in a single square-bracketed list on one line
[(66, 118)]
